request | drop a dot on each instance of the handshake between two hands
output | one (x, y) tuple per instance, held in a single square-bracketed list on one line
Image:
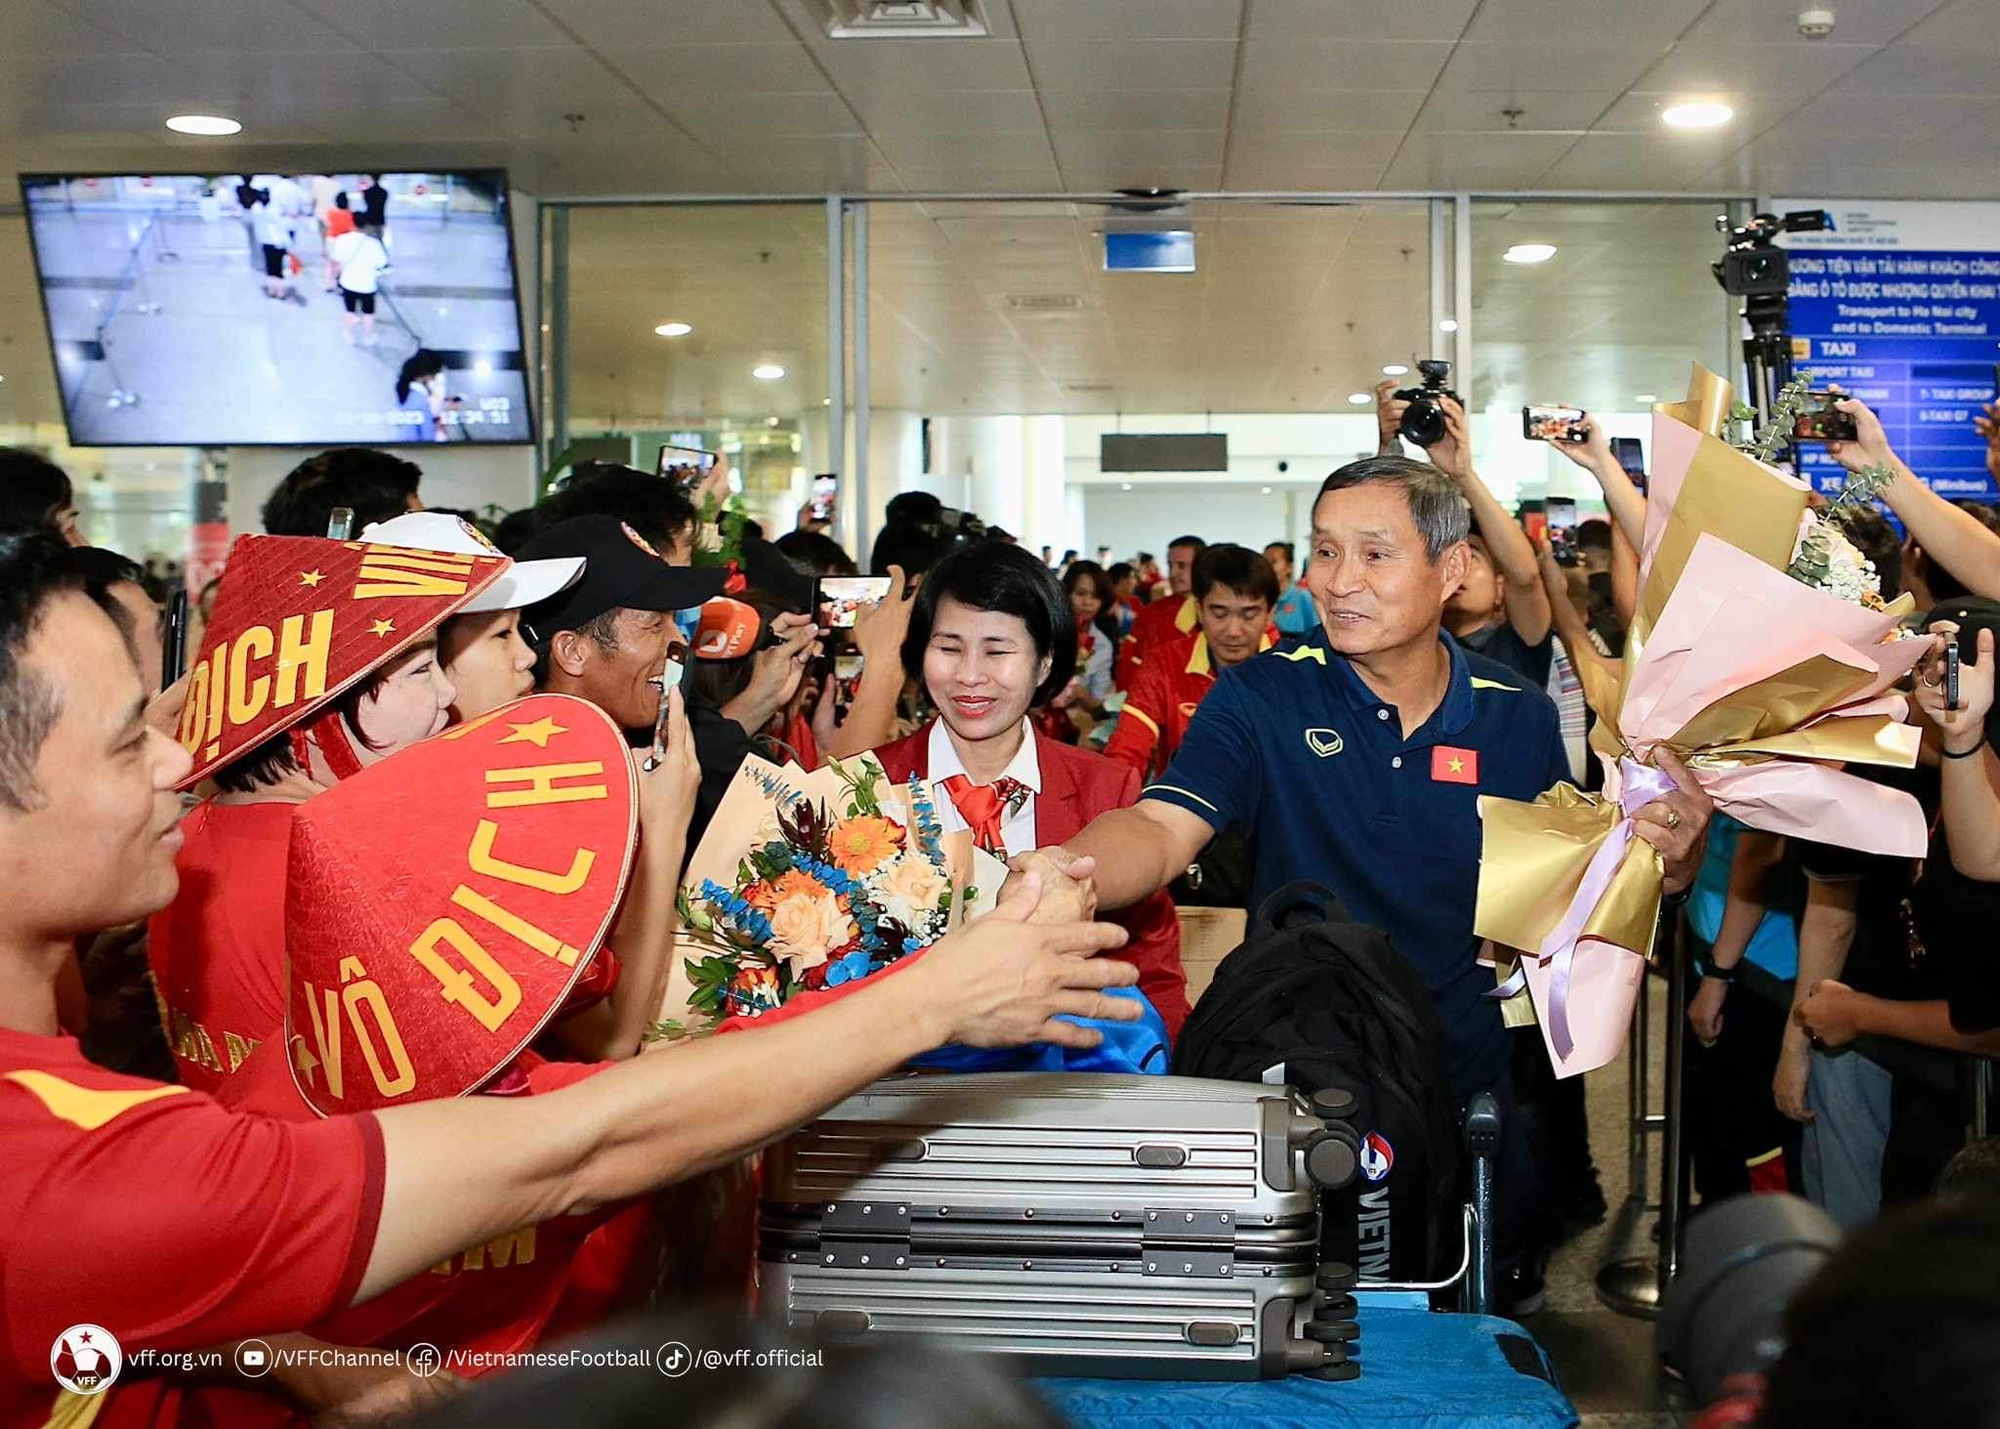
[(1068, 891)]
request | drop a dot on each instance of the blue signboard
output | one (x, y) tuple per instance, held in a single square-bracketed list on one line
[(1899, 304)]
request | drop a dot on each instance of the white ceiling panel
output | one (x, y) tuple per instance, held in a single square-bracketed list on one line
[(1031, 178), (965, 111), (1555, 23), (1137, 64), (924, 64), (614, 25), (1261, 175), (1597, 63), (1341, 64), (34, 27), (438, 24), (1634, 161), (197, 27), (1142, 150), (1858, 22), (1454, 110), (1073, 109), (718, 73), (1922, 69), (945, 150), (1342, 110), (755, 114), (1358, 19), (1726, 65), (1122, 20), (1493, 160)]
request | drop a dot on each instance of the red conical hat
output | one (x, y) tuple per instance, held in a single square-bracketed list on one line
[(300, 618), (441, 903)]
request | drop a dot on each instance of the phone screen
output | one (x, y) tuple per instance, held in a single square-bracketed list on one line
[(1553, 424), (1822, 422), (1561, 511), (690, 462), (841, 598), (825, 496)]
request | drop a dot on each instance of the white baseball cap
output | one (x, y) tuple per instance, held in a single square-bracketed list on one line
[(521, 584)]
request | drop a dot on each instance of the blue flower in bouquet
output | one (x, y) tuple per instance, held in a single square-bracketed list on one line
[(852, 968)]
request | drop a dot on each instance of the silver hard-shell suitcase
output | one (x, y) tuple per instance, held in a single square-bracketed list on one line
[(1096, 1224)]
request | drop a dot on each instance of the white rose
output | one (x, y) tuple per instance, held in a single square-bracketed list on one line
[(910, 890), (805, 928)]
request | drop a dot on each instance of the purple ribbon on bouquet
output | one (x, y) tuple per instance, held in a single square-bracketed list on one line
[(1642, 783)]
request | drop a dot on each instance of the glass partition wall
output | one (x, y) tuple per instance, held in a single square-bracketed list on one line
[(981, 349)]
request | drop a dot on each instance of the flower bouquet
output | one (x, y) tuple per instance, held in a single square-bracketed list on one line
[(1762, 656), (809, 881)]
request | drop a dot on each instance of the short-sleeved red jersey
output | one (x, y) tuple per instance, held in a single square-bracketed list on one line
[(218, 951), (152, 1211)]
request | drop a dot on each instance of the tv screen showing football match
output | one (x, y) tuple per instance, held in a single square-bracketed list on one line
[(324, 309)]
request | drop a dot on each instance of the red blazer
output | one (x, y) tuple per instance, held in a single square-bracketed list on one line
[(1077, 786)]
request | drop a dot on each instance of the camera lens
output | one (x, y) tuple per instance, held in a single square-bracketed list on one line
[(1423, 422)]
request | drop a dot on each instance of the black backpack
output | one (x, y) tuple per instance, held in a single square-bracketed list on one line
[(1337, 1006)]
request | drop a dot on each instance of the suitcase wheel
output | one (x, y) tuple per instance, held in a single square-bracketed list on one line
[(1333, 1305), (1332, 1332), (1337, 1275), (1343, 1371), (1332, 1159)]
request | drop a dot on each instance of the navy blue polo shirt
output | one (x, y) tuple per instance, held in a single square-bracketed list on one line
[(1294, 747)]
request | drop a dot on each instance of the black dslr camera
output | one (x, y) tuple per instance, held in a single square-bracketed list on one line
[(1423, 419)]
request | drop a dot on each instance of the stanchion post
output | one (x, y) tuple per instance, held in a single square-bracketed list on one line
[(1673, 1157)]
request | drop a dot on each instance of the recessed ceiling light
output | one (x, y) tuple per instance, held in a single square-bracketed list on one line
[(1529, 253), (1697, 114), (483, 367), (1124, 486), (1266, 490), (1360, 399), (1395, 369), (208, 126), (1648, 397), (674, 329), (767, 372), (1448, 325)]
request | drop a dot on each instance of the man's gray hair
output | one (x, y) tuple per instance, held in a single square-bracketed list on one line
[(1440, 511)]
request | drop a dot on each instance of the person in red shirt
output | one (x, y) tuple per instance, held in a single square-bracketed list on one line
[(1169, 617), (992, 636), (154, 1214), (1235, 590), (321, 659)]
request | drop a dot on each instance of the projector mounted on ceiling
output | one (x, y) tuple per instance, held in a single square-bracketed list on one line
[(904, 19)]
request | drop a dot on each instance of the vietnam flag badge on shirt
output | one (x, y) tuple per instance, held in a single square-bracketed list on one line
[(1451, 765)]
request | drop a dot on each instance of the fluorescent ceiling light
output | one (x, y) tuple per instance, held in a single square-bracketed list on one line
[(767, 372), (1395, 369), (1647, 397), (1529, 253), (1448, 325), (674, 329), (209, 126), (1360, 399), (1697, 114)]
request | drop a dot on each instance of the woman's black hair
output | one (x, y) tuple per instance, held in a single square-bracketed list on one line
[(340, 199), (996, 576), (424, 362), (1107, 598), (32, 490)]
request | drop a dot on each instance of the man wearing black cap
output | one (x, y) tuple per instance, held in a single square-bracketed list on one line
[(606, 638)]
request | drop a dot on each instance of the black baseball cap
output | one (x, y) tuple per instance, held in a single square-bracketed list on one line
[(621, 572)]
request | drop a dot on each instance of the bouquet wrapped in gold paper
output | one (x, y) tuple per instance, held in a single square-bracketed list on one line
[(1743, 660)]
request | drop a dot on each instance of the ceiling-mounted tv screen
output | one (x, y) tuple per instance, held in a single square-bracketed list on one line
[(322, 309)]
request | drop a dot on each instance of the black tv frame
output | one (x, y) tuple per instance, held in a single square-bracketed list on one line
[(513, 263)]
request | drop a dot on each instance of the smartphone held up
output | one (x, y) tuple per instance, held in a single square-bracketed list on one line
[(1554, 424), (1560, 512)]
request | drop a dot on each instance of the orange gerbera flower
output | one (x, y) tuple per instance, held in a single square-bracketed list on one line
[(861, 845), (790, 884)]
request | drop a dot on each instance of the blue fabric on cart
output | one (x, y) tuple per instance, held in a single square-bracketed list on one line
[(1127, 1047), (1417, 1369)]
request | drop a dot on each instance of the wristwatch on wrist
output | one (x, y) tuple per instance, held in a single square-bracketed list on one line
[(1711, 969)]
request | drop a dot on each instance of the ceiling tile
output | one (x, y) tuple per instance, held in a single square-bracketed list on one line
[(1155, 64), (1344, 110), (1121, 20), (966, 111), (1514, 66), (34, 27), (1139, 149), (1137, 108), (946, 150), (1637, 161), (1258, 173), (1279, 64), (1728, 66), (1961, 117), (924, 64), (1454, 110), (615, 25), (1358, 19), (387, 25), (1035, 178), (718, 71), (1553, 23), (1921, 69), (754, 114), (1858, 22), (1105, 175), (197, 27), (1458, 160)]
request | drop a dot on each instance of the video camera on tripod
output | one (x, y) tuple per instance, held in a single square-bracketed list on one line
[(1755, 269)]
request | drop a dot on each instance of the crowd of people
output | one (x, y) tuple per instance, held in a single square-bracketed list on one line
[(1127, 735)]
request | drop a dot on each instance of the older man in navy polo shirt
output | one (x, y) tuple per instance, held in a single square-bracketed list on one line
[(1359, 757)]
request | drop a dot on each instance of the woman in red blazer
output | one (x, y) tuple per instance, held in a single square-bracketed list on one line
[(992, 636)]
